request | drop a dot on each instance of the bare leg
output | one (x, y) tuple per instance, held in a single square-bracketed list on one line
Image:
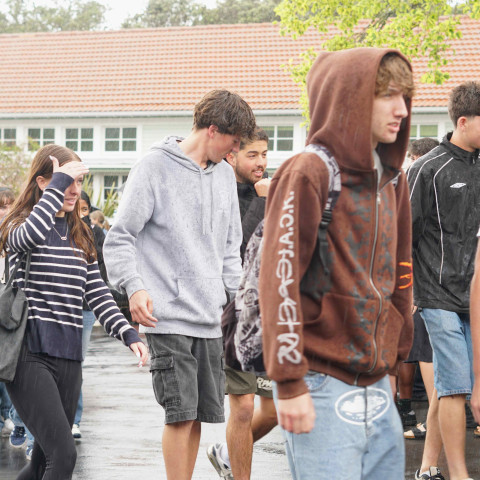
[(426, 370), (451, 415), (181, 440), (406, 373), (264, 418), (433, 440), (239, 435)]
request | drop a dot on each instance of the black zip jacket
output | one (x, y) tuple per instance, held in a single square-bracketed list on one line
[(445, 198), (252, 211)]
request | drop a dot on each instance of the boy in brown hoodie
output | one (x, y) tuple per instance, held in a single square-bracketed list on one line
[(330, 339)]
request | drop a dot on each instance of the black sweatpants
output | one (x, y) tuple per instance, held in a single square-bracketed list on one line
[(45, 393)]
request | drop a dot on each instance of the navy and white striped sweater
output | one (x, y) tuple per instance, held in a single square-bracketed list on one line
[(60, 278)]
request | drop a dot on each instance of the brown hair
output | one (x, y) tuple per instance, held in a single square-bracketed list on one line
[(464, 101), (6, 196), (394, 68), (98, 216), (42, 166), (227, 111), (258, 135)]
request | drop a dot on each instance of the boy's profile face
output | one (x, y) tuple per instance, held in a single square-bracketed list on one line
[(471, 126), (389, 108), (221, 144)]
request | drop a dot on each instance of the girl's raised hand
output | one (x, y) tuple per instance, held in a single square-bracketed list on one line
[(74, 169)]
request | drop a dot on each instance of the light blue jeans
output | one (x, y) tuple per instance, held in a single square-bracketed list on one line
[(451, 342), (88, 322), (357, 434)]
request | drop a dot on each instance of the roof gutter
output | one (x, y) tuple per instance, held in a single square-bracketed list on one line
[(429, 110), (139, 114)]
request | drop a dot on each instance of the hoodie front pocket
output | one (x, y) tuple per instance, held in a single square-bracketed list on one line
[(200, 298)]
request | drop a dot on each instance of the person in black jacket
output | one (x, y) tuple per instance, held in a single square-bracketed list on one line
[(445, 193), (246, 425)]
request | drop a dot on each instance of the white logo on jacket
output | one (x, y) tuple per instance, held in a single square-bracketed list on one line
[(287, 311), (457, 185)]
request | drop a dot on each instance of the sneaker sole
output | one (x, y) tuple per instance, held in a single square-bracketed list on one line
[(214, 461)]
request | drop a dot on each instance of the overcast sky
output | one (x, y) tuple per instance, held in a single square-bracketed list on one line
[(117, 11)]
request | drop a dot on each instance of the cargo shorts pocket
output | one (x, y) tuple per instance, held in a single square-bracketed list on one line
[(165, 381)]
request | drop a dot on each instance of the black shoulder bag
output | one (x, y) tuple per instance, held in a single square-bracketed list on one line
[(13, 319)]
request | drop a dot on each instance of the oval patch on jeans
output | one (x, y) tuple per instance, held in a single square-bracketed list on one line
[(351, 408)]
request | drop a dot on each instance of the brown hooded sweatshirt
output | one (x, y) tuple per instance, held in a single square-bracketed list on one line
[(353, 323)]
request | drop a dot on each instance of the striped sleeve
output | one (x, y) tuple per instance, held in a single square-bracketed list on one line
[(104, 307), (33, 231)]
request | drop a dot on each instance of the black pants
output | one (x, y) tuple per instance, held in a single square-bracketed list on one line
[(45, 393)]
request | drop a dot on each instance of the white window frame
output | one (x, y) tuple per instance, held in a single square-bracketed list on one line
[(275, 138), (9, 142), (41, 141), (121, 139), (80, 139)]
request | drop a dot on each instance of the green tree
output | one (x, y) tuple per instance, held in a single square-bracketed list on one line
[(166, 13), (14, 165), (24, 16), (421, 28), (241, 11)]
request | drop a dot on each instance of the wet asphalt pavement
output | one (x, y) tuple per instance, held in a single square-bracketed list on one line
[(122, 428)]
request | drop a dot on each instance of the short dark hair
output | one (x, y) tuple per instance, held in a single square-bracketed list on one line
[(464, 101), (258, 135), (227, 111), (418, 148), (84, 196)]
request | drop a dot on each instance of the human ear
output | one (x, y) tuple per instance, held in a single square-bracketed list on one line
[(212, 130), (42, 182), (231, 159)]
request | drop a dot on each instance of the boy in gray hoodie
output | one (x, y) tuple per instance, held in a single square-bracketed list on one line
[(174, 248)]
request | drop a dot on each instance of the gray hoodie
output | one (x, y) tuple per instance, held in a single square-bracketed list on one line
[(177, 235)]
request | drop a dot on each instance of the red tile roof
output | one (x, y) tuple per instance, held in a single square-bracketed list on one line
[(170, 69)]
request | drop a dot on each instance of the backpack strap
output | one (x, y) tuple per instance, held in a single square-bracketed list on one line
[(334, 188)]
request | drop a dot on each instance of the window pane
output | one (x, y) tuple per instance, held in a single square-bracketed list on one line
[(71, 133), (129, 133), (87, 146), (270, 131), (34, 133), (285, 132), (10, 134), (284, 145), (72, 145), (112, 146), (110, 181), (112, 133), (129, 146), (270, 144), (87, 133), (413, 131), (48, 134), (47, 142), (124, 178), (429, 131)]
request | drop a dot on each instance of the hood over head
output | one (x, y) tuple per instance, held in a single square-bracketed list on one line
[(341, 90)]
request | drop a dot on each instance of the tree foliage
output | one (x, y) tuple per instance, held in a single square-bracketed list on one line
[(14, 165), (24, 16), (421, 28), (169, 13)]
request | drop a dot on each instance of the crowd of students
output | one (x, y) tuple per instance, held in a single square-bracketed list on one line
[(336, 307)]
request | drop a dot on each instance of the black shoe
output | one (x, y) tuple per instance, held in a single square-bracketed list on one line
[(434, 474)]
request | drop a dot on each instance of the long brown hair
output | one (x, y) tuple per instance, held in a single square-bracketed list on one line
[(81, 236)]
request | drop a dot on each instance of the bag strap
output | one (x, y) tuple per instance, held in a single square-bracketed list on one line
[(9, 278), (334, 188)]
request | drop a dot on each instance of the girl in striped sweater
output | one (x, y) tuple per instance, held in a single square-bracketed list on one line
[(45, 219)]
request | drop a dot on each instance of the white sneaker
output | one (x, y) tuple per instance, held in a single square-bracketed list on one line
[(76, 431), (223, 470), (7, 428)]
